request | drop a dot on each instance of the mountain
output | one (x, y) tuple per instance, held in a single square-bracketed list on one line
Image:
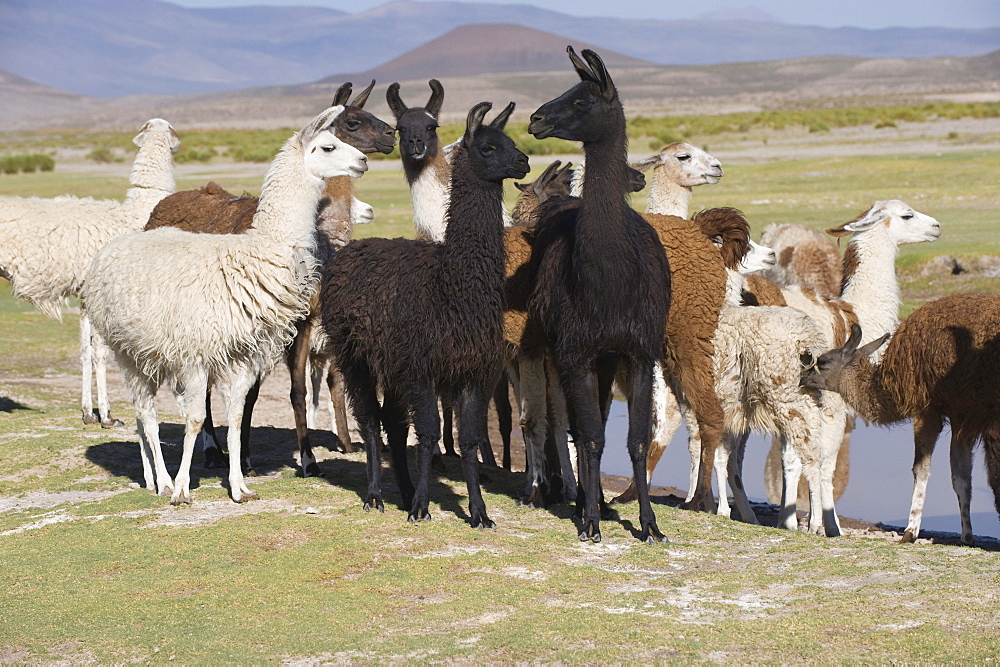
[(486, 48), (111, 48)]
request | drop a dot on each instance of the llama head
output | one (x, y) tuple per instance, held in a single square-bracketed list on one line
[(417, 126), (554, 182), (358, 127), (582, 112), (827, 372), (757, 258), (326, 155), (492, 154), (684, 164), (155, 126), (896, 220)]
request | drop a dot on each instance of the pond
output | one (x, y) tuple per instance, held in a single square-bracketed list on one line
[(880, 484)]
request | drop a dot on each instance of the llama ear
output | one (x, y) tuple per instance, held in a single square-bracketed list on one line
[(603, 78), (437, 98), (362, 97), (394, 101), (475, 120), (320, 123), (501, 120), (582, 70), (866, 220), (140, 138), (646, 163), (868, 349), (523, 187), (175, 140), (848, 349), (342, 95)]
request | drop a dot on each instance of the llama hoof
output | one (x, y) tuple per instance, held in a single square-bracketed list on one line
[(374, 502), (166, 492), (968, 541), (180, 498), (214, 458), (590, 533), (419, 515), (484, 522), (312, 470), (535, 499), (111, 422), (629, 495), (244, 497), (248, 471), (90, 418), (908, 538), (652, 535)]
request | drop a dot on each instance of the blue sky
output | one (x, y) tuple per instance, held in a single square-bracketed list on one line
[(827, 13)]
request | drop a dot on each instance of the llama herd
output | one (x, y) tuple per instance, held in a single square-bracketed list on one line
[(569, 297)]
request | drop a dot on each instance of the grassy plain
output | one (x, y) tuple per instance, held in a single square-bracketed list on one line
[(98, 570)]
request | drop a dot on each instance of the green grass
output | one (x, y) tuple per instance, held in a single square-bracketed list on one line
[(98, 570)]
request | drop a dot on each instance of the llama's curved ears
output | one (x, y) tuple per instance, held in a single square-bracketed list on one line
[(172, 138), (320, 123), (582, 69), (523, 187), (501, 120), (603, 78), (868, 349), (437, 98), (474, 121), (362, 97), (394, 101), (342, 95), (866, 220), (646, 163)]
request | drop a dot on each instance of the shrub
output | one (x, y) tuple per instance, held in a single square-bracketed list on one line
[(12, 164), (102, 155)]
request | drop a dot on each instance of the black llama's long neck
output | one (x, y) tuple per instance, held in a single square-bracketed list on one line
[(603, 249), (473, 257)]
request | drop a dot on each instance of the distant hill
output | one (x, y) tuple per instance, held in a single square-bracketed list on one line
[(471, 50), (111, 48)]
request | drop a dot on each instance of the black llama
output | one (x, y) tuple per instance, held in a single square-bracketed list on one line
[(415, 319), (602, 287)]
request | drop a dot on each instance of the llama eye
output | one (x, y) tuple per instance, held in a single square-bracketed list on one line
[(907, 216), (487, 149), (328, 149), (353, 124), (683, 158)]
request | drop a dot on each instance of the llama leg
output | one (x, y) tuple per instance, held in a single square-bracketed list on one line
[(991, 452), (335, 383), (209, 440), (397, 425), (101, 352), (588, 434), (427, 424), (363, 395), (738, 447), (236, 387), (316, 372), (697, 377), (472, 433), (195, 388), (639, 432), (724, 455), (87, 367), (143, 391), (791, 464), (558, 416), (831, 438), (448, 427), (501, 401), (961, 480), (666, 421), (533, 427), (251, 401), (926, 429), (298, 355)]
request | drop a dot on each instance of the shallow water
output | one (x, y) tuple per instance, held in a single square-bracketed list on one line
[(880, 485)]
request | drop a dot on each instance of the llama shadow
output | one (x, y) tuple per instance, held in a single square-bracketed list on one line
[(10, 405)]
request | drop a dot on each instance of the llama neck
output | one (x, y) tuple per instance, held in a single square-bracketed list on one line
[(286, 212), (602, 223), (152, 176), (666, 196), (428, 181), (870, 284), (735, 284), (862, 387), (472, 257), (333, 215)]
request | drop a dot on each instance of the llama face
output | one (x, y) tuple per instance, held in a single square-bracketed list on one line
[(157, 126), (828, 372), (417, 126), (364, 131), (582, 112), (492, 154), (896, 220), (684, 164), (758, 258), (326, 156)]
